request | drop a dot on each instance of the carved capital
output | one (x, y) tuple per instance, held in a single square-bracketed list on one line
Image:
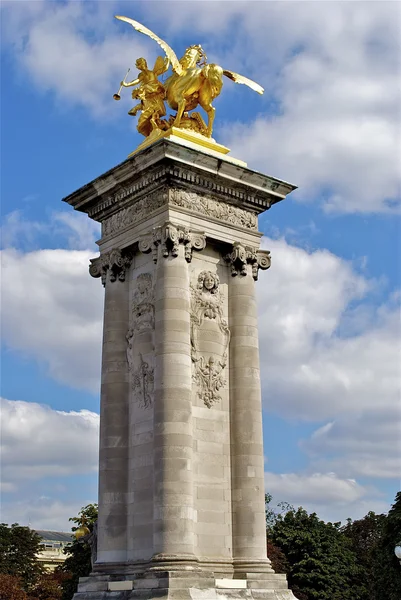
[(258, 259), (237, 259), (241, 255), (115, 263), (169, 236)]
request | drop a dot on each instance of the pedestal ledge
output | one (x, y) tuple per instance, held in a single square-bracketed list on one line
[(174, 585)]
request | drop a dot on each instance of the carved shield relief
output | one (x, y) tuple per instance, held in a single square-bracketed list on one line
[(140, 341), (210, 338)]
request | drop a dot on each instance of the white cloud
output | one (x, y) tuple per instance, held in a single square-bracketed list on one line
[(316, 362), (318, 488), (331, 71), (74, 49), (38, 442), (71, 229), (52, 312), (365, 445), (42, 513), (332, 497)]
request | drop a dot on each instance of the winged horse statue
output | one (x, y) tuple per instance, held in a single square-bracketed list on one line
[(193, 82)]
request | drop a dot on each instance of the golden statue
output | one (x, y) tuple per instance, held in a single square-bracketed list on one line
[(151, 94), (193, 83)]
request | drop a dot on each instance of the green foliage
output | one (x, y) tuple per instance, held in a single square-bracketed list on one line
[(18, 554), (78, 561), (322, 563), (387, 569), (365, 536)]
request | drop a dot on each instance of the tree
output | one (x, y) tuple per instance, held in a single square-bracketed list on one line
[(365, 537), (78, 561), (48, 586), (19, 547), (10, 588), (322, 564), (387, 569), (277, 557)]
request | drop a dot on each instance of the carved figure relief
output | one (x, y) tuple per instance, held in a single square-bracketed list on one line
[(140, 335), (210, 337), (210, 207), (143, 383)]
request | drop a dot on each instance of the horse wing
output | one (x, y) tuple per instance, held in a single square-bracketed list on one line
[(241, 79), (169, 51)]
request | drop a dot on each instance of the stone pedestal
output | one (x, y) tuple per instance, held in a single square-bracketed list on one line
[(181, 490)]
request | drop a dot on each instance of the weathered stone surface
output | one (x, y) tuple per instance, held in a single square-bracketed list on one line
[(181, 490)]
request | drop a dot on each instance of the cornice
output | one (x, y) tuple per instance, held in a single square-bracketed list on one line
[(168, 163)]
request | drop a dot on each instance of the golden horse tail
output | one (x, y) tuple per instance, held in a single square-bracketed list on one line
[(214, 75)]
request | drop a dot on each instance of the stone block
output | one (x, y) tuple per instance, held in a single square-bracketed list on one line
[(231, 583)]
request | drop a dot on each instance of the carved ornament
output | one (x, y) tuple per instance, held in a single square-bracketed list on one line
[(126, 216), (241, 256), (206, 205), (114, 263), (206, 304), (142, 320), (169, 236)]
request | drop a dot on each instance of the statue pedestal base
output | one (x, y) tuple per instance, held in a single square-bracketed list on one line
[(190, 139), (183, 585)]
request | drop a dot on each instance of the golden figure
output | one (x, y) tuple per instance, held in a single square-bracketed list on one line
[(193, 83), (150, 92)]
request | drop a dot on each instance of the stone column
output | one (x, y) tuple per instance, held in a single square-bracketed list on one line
[(113, 451), (173, 441), (247, 460)]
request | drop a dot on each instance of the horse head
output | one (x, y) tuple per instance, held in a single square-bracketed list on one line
[(194, 56)]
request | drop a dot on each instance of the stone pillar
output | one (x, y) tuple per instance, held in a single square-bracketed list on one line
[(173, 443), (113, 451), (247, 459), (175, 203)]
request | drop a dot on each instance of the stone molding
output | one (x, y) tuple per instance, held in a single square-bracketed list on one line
[(169, 237), (202, 204), (240, 256), (208, 206), (174, 174), (115, 263), (126, 216), (206, 303)]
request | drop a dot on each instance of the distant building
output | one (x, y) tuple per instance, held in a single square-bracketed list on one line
[(51, 549)]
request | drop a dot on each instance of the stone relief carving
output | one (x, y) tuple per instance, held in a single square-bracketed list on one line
[(142, 321), (206, 304), (114, 263), (142, 309), (210, 207), (143, 384), (169, 237), (142, 207), (241, 255)]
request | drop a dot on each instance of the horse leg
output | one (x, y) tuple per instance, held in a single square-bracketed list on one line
[(180, 111), (210, 111)]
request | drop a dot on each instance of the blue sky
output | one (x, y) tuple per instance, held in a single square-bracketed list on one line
[(329, 306)]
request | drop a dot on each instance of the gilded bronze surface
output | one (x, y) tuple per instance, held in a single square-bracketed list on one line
[(194, 82)]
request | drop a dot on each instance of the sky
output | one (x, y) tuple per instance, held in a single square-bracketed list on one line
[(329, 122)]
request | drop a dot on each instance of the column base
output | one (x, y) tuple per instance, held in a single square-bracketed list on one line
[(176, 585)]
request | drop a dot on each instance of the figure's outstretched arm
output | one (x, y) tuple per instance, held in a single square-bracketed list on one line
[(130, 83)]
